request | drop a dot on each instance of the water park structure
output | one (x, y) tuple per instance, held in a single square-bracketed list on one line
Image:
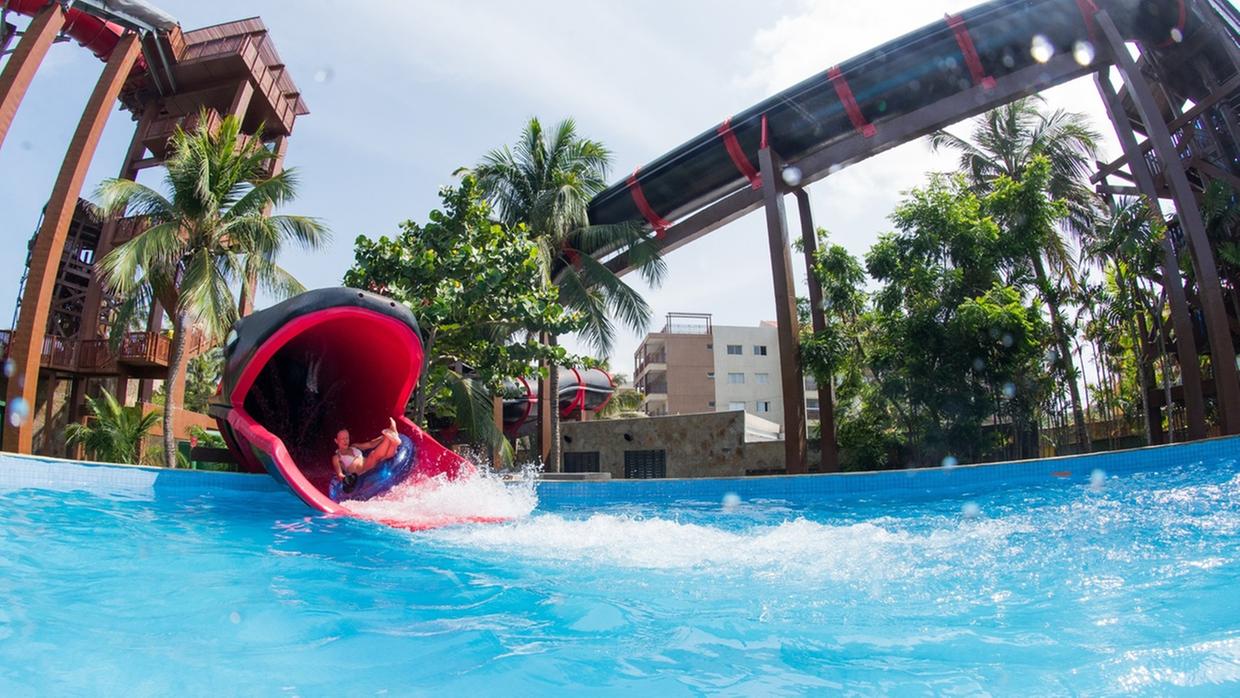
[(1175, 113), (165, 78)]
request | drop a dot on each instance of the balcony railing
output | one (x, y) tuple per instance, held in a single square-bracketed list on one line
[(97, 355)]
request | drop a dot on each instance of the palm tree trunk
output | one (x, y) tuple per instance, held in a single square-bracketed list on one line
[(1144, 372), (170, 406), (1065, 354), (553, 453)]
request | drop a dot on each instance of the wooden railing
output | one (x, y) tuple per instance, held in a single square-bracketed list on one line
[(97, 355)]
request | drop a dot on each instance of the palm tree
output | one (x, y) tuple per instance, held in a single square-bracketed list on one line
[(626, 401), (204, 238), (114, 433), (1005, 142), (546, 181)]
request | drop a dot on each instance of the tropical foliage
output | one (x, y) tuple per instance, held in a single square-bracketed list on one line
[(1006, 144), (545, 183), (208, 233), (479, 290), (112, 433)]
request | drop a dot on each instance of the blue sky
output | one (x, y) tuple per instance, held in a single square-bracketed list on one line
[(402, 94)]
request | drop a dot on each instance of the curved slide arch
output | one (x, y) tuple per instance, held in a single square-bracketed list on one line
[(861, 103)]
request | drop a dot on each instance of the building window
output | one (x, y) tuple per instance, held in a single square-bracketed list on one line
[(736, 406), (812, 403), (645, 464), (711, 403), (761, 378), (759, 350), (764, 406), (710, 375), (734, 350), (583, 462), (736, 378)]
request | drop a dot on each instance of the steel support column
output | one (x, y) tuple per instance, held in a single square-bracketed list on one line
[(785, 313), (1218, 328), (26, 346), (24, 62), (1185, 344), (829, 457)]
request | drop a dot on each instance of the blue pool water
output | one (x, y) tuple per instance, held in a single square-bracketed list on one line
[(1126, 581)]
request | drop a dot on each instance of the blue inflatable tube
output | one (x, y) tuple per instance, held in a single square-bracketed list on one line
[(379, 479)]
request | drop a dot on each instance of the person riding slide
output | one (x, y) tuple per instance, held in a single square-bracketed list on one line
[(351, 460)]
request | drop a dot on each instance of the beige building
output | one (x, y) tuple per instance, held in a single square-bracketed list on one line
[(693, 365)]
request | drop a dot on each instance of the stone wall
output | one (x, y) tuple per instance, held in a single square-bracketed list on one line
[(696, 445)]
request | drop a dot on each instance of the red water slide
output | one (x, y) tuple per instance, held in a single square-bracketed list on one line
[(96, 35)]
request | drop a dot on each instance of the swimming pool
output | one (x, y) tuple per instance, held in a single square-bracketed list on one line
[(1104, 574)]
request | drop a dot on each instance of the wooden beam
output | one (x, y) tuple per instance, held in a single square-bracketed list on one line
[(829, 457), (25, 347), (24, 62), (1222, 351), (1198, 109), (785, 314), (1185, 345)]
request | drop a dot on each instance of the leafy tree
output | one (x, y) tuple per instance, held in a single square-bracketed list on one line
[(205, 236), (950, 343), (1005, 144), (113, 433), (479, 290), (546, 182), (202, 378)]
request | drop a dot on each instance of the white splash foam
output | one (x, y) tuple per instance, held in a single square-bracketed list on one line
[(793, 549), (434, 501)]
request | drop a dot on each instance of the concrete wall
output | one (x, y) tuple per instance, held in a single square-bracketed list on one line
[(697, 445), (690, 362)]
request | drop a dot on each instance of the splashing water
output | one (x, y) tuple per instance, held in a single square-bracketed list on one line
[(483, 495)]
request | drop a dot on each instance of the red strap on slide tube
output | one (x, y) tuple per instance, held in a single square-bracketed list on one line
[(969, 51), (656, 221), (1088, 10), (850, 103), (733, 147)]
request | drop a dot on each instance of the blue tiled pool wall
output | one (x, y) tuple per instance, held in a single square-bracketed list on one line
[(892, 484), (34, 472)]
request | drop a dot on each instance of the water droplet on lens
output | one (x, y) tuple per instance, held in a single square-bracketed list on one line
[(324, 74), (1008, 61), (1041, 48), (1097, 478), (18, 412), (834, 168), (970, 510), (978, 364), (792, 176), (234, 618), (1083, 53), (10, 367), (1009, 390), (1176, 35), (950, 462), (731, 501), (1007, 340)]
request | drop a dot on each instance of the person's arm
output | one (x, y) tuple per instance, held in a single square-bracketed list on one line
[(367, 445), (336, 465)]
